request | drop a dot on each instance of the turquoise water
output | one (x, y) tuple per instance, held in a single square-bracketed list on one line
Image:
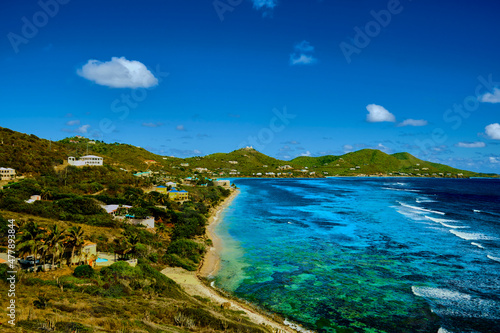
[(101, 260), (367, 255)]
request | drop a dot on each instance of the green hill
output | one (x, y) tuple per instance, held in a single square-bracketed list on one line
[(376, 162), (31, 155)]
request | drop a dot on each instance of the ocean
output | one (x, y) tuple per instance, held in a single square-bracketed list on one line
[(367, 254)]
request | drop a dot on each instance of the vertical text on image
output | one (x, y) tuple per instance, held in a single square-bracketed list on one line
[(12, 273)]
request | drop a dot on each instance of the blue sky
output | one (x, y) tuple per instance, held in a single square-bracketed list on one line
[(291, 78)]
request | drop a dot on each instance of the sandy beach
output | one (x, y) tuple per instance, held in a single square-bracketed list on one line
[(211, 260), (191, 281)]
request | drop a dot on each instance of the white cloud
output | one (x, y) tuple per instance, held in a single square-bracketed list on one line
[(73, 122), (307, 153), (82, 129), (118, 73), (264, 4), (301, 59), (377, 113), (180, 128), (383, 148), (302, 54), (494, 160), (348, 148), (413, 122), (477, 144), (304, 46), (493, 131), (491, 98)]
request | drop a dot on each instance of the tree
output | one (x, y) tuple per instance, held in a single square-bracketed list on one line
[(75, 235), (161, 228), (31, 239), (46, 194), (132, 243), (162, 199), (55, 242)]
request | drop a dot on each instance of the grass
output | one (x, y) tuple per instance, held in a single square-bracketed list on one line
[(152, 303)]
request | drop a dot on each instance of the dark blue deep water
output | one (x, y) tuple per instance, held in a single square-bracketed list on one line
[(367, 254)]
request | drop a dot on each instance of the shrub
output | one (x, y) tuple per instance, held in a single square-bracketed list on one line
[(84, 271), (153, 257), (41, 302), (187, 248)]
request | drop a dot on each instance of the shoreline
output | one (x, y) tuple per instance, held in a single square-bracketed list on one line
[(211, 260), (194, 283)]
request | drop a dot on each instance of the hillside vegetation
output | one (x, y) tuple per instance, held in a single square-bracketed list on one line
[(31, 155)]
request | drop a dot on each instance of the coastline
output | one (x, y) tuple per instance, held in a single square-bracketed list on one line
[(194, 283), (211, 260)]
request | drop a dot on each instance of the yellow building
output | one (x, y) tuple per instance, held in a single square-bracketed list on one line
[(161, 189), (178, 195)]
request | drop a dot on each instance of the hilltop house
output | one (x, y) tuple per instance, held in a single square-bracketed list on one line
[(115, 210), (120, 212), (88, 160), (7, 173), (174, 194)]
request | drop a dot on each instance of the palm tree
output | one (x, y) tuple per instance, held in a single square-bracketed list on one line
[(161, 227), (162, 199), (75, 235), (150, 196), (132, 241), (121, 246), (30, 240), (55, 242)]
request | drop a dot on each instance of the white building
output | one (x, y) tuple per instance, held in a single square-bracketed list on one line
[(88, 160), (113, 209), (7, 173), (33, 198), (222, 182), (148, 222)]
